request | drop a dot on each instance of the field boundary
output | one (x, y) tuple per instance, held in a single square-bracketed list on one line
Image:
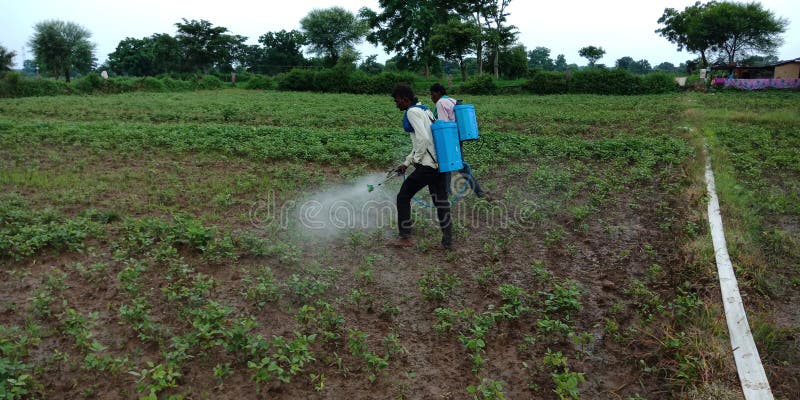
[(748, 362)]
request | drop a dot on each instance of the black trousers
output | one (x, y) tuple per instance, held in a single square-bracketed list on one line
[(437, 186)]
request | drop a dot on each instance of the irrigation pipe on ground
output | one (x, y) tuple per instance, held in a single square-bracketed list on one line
[(748, 363)]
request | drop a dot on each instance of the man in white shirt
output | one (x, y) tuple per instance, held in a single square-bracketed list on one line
[(417, 120)]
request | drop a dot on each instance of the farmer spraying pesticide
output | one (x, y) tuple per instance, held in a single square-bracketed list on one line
[(417, 121)]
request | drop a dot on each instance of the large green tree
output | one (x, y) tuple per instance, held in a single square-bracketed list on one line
[(454, 40), (132, 57), (732, 28), (688, 30), (329, 32), (744, 29), (539, 58), (6, 59), (478, 11), (498, 35), (513, 62), (560, 63), (61, 47), (282, 51), (148, 56), (405, 27), (207, 47), (633, 66), (592, 54)]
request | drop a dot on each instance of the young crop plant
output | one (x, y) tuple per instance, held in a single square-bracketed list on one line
[(436, 285), (130, 278), (285, 360), (365, 271), (156, 378), (16, 378), (362, 299), (93, 273), (80, 328), (648, 303), (515, 301), (137, 315), (210, 323), (552, 330), (222, 371), (486, 275), (566, 382), (219, 250), (304, 289), (322, 319), (261, 289), (190, 294), (105, 363), (445, 319), (389, 311), (357, 344), (392, 345), (563, 299), (488, 389), (42, 300)]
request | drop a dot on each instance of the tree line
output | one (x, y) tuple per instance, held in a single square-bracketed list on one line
[(432, 36)]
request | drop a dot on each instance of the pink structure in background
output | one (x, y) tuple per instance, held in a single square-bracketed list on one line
[(755, 84)]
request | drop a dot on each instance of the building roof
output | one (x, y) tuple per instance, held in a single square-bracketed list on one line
[(796, 60), (740, 67)]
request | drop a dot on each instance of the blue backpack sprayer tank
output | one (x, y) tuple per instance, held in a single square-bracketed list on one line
[(447, 138)]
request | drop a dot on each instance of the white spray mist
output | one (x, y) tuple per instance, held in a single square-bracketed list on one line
[(342, 209)]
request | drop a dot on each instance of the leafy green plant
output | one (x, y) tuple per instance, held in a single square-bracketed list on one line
[(563, 299), (514, 301), (156, 378), (305, 289), (649, 303), (362, 299), (286, 360), (262, 288), (567, 383), (488, 389), (323, 319), (436, 285), (104, 363)]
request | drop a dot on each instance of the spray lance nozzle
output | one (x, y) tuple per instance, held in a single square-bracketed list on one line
[(389, 175)]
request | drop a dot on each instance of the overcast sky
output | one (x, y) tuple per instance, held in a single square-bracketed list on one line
[(621, 27)]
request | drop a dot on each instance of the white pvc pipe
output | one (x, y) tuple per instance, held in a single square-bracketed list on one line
[(751, 372)]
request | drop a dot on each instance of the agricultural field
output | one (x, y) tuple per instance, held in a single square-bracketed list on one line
[(181, 245)]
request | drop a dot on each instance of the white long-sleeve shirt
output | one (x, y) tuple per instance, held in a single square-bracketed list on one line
[(422, 148)]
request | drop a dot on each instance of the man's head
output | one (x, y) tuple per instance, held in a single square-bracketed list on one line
[(437, 91), (404, 97)]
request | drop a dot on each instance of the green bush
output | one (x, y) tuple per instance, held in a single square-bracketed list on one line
[(659, 82), (121, 85), (546, 82), (480, 84), (150, 84), (604, 81), (91, 83), (13, 85), (176, 85), (332, 81), (260, 82), (209, 82), (301, 80)]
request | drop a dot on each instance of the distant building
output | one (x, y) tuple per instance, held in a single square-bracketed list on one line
[(783, 70), (787, 69)]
